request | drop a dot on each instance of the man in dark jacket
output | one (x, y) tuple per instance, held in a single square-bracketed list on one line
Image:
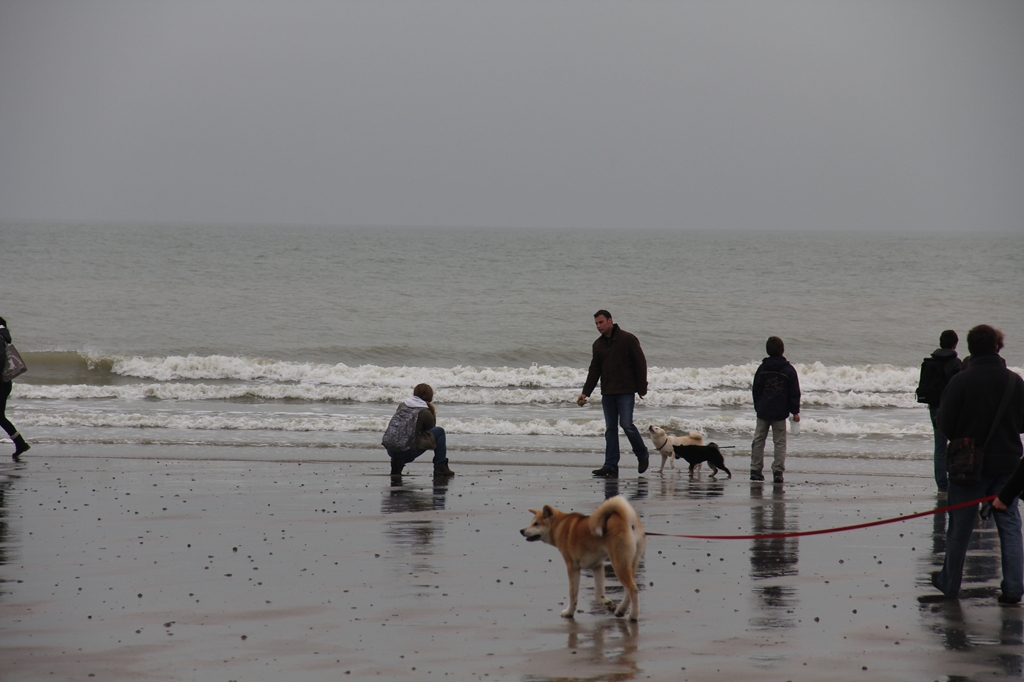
[(620, 364), (967, 410), (776, 396), (936, 371)]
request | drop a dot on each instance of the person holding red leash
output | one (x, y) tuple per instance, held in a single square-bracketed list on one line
[(985, 402)]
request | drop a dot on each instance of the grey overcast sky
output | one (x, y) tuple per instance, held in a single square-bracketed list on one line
[(719, 114)]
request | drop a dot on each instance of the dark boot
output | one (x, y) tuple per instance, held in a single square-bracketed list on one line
[(443, 470), (396, 468), (20, 446)]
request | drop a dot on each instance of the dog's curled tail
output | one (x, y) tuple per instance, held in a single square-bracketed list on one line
[(613, 505)]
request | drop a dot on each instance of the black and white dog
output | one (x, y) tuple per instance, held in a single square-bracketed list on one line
[(695, 454)]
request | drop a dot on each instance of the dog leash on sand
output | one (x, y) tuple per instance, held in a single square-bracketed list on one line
[(797, 534)]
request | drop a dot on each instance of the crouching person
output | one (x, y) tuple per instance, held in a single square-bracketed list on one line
[(413, 430)]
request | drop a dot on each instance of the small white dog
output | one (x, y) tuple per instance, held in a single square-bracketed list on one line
[(664, 442)]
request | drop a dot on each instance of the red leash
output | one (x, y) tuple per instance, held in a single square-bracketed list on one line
[(774, 536)]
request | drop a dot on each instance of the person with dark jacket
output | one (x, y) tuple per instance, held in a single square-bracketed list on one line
[(425, 433), (20, 445), (936, 371), (620, 364), (776, 396), (968, 410)]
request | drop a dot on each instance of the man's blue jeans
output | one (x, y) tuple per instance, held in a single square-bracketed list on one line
[(961, 526), (440, 452), (618, 411), (941, 479)]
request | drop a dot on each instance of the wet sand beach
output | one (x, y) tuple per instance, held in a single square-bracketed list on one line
[(170, 563)]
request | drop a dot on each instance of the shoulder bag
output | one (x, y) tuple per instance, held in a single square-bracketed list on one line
[(14, 365), (964, 457)]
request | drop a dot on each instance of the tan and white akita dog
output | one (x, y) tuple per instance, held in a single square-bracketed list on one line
[(613, 531), (664, 443)]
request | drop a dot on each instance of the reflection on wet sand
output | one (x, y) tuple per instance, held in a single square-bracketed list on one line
[(610, 641), (678, 484), (414, 537), (995, 642), (773, 558), (633, 492), (5, 529)]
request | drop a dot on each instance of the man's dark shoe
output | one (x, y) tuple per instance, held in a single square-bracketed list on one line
[(756, 475), (777, 477), (1008, 601), (605, 472), (443, 470), (935, 583), (396, 468), (643, 464)]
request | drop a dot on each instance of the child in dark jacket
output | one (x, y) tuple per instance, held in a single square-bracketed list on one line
[(776, 396)]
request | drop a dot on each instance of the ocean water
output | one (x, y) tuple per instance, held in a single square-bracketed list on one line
[(307, 337)]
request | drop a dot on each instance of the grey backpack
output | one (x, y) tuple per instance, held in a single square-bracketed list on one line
[(401, 431)]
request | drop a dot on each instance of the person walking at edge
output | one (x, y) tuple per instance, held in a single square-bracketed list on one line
[(413, 430), (20, 445), (620, 364), (776, 396), (968, 410), (936, 371)]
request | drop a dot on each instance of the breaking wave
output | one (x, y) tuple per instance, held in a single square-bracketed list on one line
[(220, 377), (485, 426)]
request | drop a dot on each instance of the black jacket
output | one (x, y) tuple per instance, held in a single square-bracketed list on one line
[(969, 405), (619, 363), (776, 389)]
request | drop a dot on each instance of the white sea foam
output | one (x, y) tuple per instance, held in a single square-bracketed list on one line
[(179, 377), (235, 421), (825, 426), (813, 377), (204, 422), (259, 369), (221, 367), (840, 402), (454, 395)]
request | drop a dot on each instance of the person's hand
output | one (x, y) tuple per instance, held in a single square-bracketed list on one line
[(998, 504), (582, 400), (796, 417)]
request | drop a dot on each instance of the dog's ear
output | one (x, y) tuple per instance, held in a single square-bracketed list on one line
[(548, 511), (535, 511)]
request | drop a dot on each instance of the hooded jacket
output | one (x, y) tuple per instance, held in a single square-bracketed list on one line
[(776, 389), (619, 363)]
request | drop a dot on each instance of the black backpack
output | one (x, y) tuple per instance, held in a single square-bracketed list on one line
[(933, 380)]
